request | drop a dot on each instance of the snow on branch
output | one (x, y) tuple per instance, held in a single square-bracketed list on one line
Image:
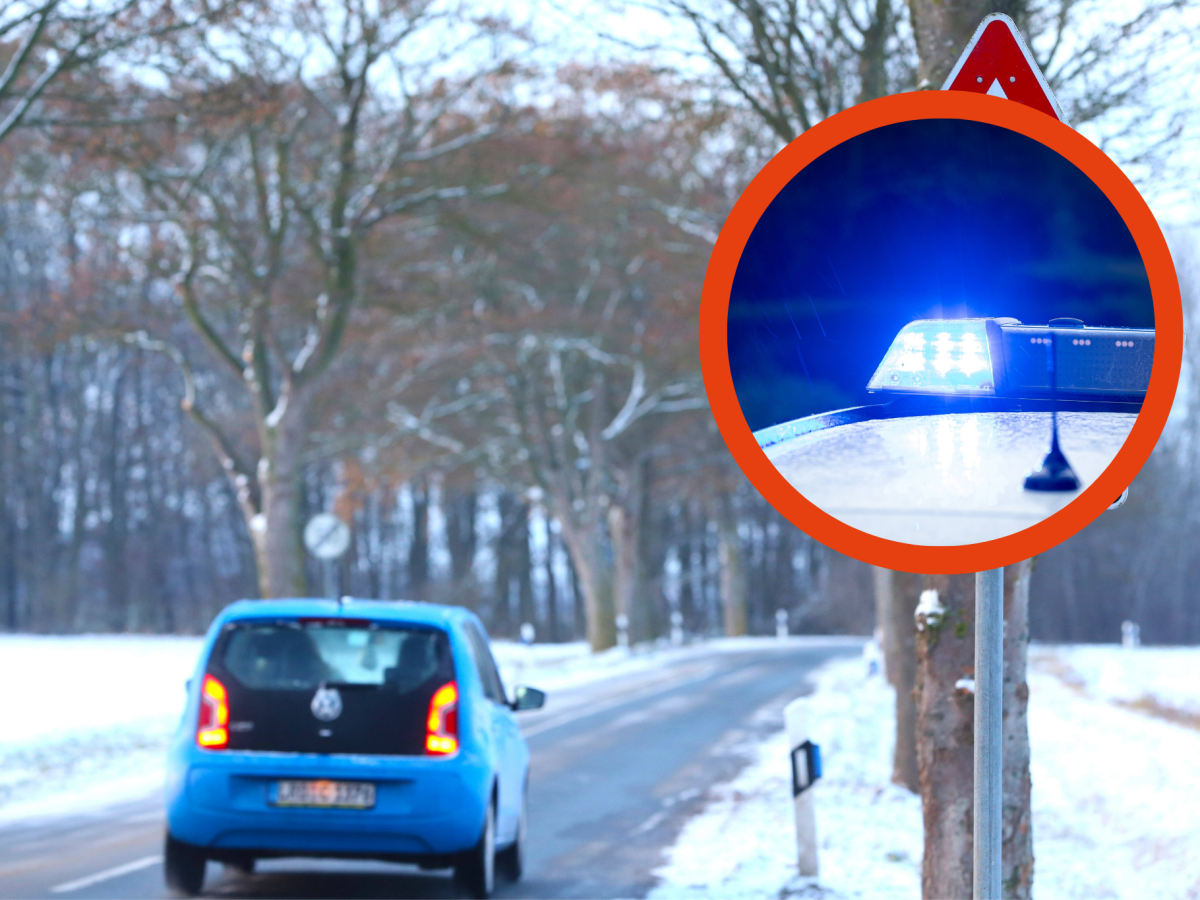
[(637, 391), (690, 221), (930, 611), (400, 416)]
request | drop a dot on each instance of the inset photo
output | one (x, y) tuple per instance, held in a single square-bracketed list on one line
[(940, 332)]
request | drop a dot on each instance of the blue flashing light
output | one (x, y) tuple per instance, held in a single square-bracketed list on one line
[(938, 356)]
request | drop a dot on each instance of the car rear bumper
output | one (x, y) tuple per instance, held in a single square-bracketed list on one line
[(424, 807)]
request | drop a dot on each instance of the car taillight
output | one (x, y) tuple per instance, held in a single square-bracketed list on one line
[(212, 731), (442, 736)]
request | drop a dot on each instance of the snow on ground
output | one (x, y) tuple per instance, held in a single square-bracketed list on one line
[(85, 683), (1115, 735), (87, 718), (868, 830), (1116, 782), (1166, 675), (1116, 789)]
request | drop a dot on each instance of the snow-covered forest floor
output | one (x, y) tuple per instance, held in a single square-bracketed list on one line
[(1115, 736)]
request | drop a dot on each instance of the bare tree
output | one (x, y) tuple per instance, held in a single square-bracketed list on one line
[(302, 149), (796, 62), (44, 40), (579, 296)]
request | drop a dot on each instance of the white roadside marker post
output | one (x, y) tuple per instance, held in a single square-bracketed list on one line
[(676, 629), (806, 769), (989, 725), (528, 633), (622, 630), (781, 623), (1131, 635)]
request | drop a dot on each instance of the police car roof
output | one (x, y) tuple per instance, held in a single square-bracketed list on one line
[(946, 479), (349, 608)]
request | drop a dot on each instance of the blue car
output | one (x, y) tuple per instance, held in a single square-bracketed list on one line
[(354, 729)]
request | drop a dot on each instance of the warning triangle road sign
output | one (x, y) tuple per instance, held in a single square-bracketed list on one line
[(997, 62)]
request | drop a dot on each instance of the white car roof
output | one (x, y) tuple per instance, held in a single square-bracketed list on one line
[(946, 479)]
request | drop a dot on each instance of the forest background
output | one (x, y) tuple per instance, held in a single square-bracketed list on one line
[(435, 267)]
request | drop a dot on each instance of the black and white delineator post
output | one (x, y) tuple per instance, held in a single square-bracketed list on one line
[(806, 769)]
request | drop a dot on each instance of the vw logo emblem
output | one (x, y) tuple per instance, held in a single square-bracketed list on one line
[(326, 704)]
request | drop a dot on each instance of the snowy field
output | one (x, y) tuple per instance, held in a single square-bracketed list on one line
[(87, 717), (1116, 763), (90, 716), (1115, 737)]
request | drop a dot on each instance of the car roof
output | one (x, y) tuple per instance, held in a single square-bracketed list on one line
[(349, 608), (946, 479)]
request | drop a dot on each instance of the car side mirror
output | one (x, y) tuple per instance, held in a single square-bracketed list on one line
[(527, 698)]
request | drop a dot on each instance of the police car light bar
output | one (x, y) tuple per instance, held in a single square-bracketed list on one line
[(1003, 358)]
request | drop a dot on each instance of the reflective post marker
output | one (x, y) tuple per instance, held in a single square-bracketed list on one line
[(989, 727), (795, 717)]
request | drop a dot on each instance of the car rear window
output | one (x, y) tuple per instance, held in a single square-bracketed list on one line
[(296, 655), (330, 685)]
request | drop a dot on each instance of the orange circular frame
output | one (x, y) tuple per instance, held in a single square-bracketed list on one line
[(1168, 323)]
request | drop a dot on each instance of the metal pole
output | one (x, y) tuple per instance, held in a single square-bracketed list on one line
[(331, 580), (989, 725)]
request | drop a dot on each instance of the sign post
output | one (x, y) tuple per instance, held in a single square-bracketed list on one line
[(989, 731), (997, 62), (327, 537)]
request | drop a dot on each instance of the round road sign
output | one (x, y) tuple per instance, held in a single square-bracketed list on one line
[(326, 536)]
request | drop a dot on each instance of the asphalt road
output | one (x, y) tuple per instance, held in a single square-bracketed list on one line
[(618, 767)]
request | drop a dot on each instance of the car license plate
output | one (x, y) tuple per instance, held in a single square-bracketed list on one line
[(332, 794)]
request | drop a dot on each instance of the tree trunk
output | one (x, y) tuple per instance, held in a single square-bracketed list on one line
[(733, 573), (526, 611), (622, 527), (945, 758), (418, 545), (873, 55), (551, 586), (943, 29), (578, 605), (279, 545), (1017, 853), (688, 601), (114, 540), (594, 577), (653, 533), (896, 595), (945, 728), (512, 567), (626, 527), (460, 532)]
